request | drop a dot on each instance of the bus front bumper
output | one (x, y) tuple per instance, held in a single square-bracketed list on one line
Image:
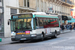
[(31, 37)]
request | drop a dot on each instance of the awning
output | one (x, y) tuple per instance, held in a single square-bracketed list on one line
[(69, 17), (71, 21), (66, 17)]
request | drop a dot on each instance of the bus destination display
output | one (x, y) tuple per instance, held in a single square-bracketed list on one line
[(21, 16)]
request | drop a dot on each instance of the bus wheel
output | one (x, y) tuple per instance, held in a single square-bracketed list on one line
[(42, 37), (55, 35)]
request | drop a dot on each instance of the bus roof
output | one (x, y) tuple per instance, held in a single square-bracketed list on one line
[(39, 14), (45, 16)]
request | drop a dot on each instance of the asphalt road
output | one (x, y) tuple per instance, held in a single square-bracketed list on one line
[(64, 41)]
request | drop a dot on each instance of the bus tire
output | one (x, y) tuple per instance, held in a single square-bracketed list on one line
[(55, 34), (42, 37)]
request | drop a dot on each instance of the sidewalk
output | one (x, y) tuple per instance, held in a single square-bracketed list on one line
[(66, 31), (5, 41)]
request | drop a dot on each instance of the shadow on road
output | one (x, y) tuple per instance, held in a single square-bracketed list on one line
[(34, 41)]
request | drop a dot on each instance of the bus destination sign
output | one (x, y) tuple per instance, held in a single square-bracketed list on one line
[(21, 16), (25, 16)]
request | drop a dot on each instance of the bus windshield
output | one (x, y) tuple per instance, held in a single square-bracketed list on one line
[(21, 24)]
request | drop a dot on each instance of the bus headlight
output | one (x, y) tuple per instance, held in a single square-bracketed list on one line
[(13, 33)]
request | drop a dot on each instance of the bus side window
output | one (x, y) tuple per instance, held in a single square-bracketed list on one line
[(37, 23), (41, 23)]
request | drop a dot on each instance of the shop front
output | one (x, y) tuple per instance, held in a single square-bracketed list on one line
[(71, 21), (65, 19)]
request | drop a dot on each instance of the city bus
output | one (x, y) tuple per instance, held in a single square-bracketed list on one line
[(31, 26)]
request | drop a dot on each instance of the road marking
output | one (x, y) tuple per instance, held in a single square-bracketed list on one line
[(22, 48)]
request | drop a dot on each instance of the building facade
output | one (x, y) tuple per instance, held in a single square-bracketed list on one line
[(58, 6), (27, 6), (6, 9)]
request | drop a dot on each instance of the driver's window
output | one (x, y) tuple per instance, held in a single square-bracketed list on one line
[(29, 23), (19, 24), (24, 23)]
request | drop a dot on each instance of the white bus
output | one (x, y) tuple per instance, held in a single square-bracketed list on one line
[(31, 26)]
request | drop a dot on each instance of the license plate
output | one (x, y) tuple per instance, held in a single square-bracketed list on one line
[(23, 39)]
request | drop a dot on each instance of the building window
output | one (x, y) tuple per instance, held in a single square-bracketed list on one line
[(70, 1), (13, 11), (37, 3), (63, 0), (42, 4), (0, 0), (26, 3)]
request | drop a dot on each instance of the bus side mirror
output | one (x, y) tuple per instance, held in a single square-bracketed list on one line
[(8, 22)]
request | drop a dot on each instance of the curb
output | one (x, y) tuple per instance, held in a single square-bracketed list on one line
[(66, 31), (0, 40)]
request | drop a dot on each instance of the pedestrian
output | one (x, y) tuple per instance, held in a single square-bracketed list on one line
[(74, 26), (70, 26), (62, 27)]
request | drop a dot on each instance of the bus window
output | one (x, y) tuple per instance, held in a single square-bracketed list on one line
[(55, 23), (47, 22), (52, 23), (41, 23), (44, 21), (21, 24), (37, 23), (28, 24)]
